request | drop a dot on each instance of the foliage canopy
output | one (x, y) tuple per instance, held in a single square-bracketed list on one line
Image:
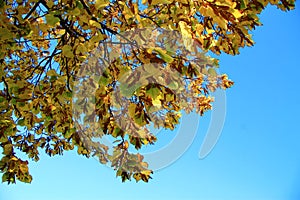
[(45, 56)]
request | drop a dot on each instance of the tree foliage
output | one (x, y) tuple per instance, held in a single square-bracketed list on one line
[(45, 58)]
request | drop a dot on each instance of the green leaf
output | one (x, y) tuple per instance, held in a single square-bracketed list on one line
[(140, 120), (3, 139), (68, 94), (117, 132), (67, 51), (173, 85), (103, 81), (212, 72), (164, 55), (51, 19), (243, 4), (5, 177), (170, 97), (2, 99), (79, 4), (21, 122), (127, 91), (153, 92), (70, 132)]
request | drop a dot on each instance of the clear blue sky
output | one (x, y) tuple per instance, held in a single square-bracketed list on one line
[(257, 156)]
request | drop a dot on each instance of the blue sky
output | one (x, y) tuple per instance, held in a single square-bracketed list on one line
[(256, 157)]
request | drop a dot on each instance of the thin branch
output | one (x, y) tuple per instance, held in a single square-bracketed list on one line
[(103, 26), (6, 85), (48, 58), (147, 17), (32, 10)]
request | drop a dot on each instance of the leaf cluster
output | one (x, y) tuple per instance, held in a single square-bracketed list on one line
[(54, 51)]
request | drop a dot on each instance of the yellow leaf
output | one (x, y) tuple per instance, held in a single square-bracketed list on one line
[(199, 29), (52, 108), (101, 4), (5, 121), (127, 12), (210, 31), (184, 1), (221, 22), (145, 141), (210, 12), (14, 158), (185, 29), (156, 102), (61, 32), (224, 3), (186, 34), (137, 177), (94, 23), (155, 2), (131, 109), (51, 72), (146, 172), (236, 13)]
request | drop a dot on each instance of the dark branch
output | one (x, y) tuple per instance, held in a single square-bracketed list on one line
[(33, 9)]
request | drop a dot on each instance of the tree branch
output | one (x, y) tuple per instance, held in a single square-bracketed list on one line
[(33, 9)]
